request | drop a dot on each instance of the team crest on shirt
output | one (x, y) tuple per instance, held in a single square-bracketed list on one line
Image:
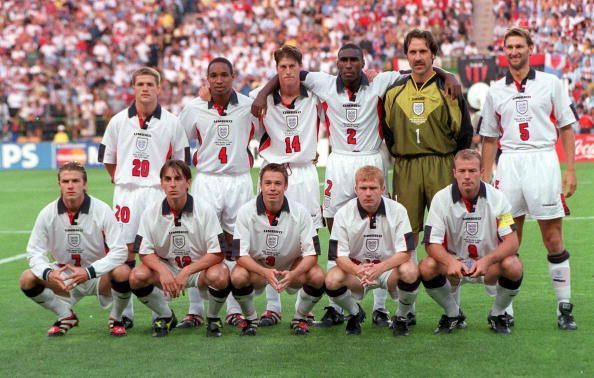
[(472, 228), (141, 143), (292, 121), (351, 114), (179, 241), (372, 244), (74, 240), (223, 131), (522, 106), (418, 108), (271, 241)]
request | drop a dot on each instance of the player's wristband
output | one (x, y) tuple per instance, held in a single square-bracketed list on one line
[(91, 272), (46, 273)]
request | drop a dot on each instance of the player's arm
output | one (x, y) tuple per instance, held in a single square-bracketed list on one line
[(166, 278), (488, 152), (251, 265), (111, 169), (453, 88), (310, 247), (108, 148), (507, 247), (455, 268), (464, 138), (399, 258), (260, 103), (37, 253), (349, 267), (569, 177), (181, 146), (199, 265)]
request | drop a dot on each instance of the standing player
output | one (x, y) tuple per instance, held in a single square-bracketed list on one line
[(276, 244), (372, 243), (76, 229), (354, 112), (470, 237), (180, 244), (137, 141), (290, 136), (222, 128), (525, 112), (424, 128)]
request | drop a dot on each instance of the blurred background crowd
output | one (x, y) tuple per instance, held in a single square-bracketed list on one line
[(66, 62)]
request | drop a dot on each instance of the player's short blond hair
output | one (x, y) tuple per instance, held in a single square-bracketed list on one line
[(369, 173), (468, 154), (518, 32), (146, 71)]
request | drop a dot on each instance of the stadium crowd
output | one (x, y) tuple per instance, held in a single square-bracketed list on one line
[(67, 62)]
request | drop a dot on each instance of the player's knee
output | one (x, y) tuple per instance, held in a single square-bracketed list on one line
[(240, 277), (511, 267), (217, 277), (28, 280), (139, 277), (334, 279), (316, 277), (121, 273), (408, 272), (428, 268)]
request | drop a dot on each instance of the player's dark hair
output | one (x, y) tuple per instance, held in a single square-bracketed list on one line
[(178, 166), (288, 51), (146, 71), (351, 46), (274, 167), (220, 59), (518, 32), (369, 173), (73, 166), (421, 34), (468, 154)]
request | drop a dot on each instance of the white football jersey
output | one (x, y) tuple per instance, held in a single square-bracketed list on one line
[(526, 115), (138, 151), (468, 229), (222, 135), (370, 238), (353, 119), (179, 239), (289, 132), (84, 240), (274, 240)]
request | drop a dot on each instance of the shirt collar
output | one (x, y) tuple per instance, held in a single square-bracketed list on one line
[(84, 208), (340, 84), (457, 195), (233, 100), (276, 97), (509, 78), (261, 209), (188, 207), (381, 210), (132, 112)]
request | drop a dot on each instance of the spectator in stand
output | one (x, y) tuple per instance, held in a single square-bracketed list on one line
[(586, 120)]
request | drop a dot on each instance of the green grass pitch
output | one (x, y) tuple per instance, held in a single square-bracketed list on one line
[(535, 348)]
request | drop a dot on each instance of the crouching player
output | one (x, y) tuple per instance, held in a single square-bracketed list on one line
[(180, 243), (470, 237), (372, 242), (76, 230), (275, 242)]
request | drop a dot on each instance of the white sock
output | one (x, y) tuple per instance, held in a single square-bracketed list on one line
[(407, 293), (53, 302), (331, 264), (155, 300), (273, 300), (306, 301), (216, 299), (505, 295), (379, 299), (119, 303), (246, 302), (444, 297), (346, 301), (561, 277), (196, 300)]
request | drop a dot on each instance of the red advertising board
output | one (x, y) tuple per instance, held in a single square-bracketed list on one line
[(584, 148)]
